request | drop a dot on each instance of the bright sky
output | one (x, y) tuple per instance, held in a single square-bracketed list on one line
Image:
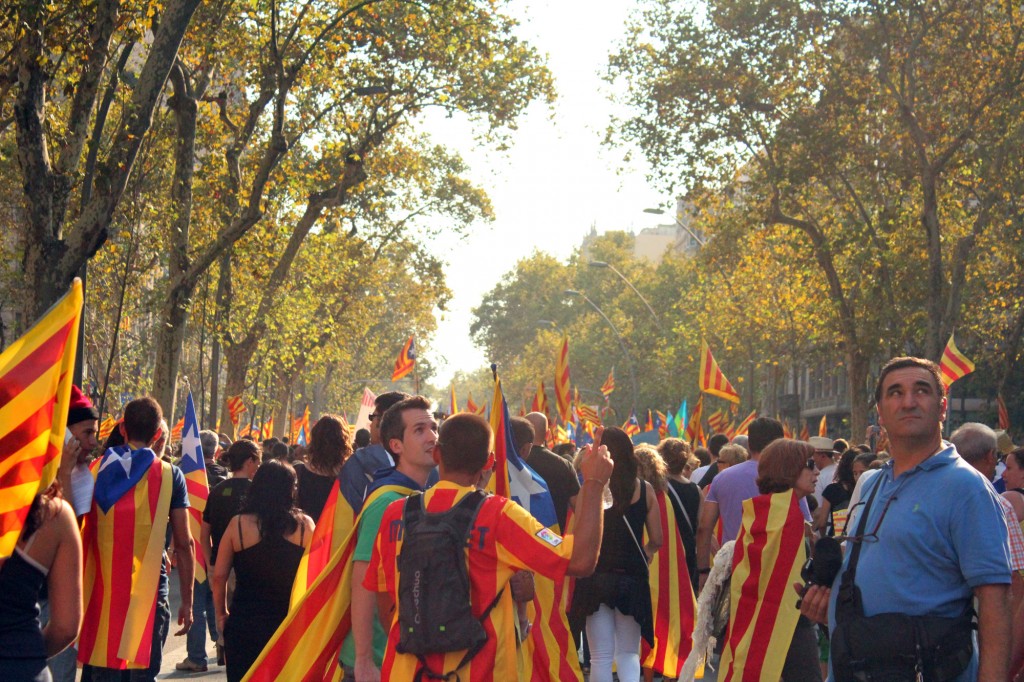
[(556, 182)]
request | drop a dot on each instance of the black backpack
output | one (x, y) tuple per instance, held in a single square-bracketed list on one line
[(434, 610)]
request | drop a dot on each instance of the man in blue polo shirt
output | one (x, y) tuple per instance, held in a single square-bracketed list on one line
[(934, 535)]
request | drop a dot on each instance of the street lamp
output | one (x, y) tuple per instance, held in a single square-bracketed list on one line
[(696, 236), (602, 264), (622, 343)]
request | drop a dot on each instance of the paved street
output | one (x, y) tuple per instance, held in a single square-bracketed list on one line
[(174, 650)]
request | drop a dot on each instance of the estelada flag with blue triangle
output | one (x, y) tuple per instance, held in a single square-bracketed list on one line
[(632, 426), (193, 465), (406, 361), (548, 652)]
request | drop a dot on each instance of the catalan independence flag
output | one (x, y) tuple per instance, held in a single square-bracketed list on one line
[(672, 598), (695, 428), (35, 391), (307, 644), (549, 653), (632, 426), (193, 465), (745, 424), (235, 409), (106, 427), (123, 547), (711, 378), (406, 361), (770, 550), (540, 400), (954, 364), (608, 387)]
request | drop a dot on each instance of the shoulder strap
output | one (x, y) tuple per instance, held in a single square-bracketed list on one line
[(851, 567), (679, 501), (643, 496), (241, 541)]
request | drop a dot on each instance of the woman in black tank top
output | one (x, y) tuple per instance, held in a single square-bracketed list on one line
[(264, 545)]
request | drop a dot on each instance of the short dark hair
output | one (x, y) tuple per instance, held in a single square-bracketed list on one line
[(142, 418), (763, 431), (392, 423), (240, 452), (781, 463), (903, 363), (465, 442), (385, 400), (522, 431), (362, 438), (280, 451), (716, 442)]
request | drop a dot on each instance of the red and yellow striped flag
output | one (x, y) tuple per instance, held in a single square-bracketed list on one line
[(805, 432), (176, 430), (453, 404), (332, 528), (588, 414), (711, 378), (695, 429), (123, 548), (268, 428), (193, 466), (106, 427), (540, 399), (235, 409), (562, 398), (823, 426), (787, 430), (406, 361), (770, 551), (745, 424), (631, 426), (674, 605), (307, 644), (609, 384), (35, 391), (718, 421), (954, 364), (1004, 414)]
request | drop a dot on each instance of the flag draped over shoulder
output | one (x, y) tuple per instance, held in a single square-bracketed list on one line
[(549, 652), (770, 550), (334, 525), (674, 605), (123, 546), (562, 382), (306, 646), (406, 361), (711, 378), (193, 466), (35, 391), (954, 364)]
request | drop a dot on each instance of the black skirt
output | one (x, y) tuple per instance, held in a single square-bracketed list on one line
[(628, 593)]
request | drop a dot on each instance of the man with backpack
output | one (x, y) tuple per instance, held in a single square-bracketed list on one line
[(445, 558)]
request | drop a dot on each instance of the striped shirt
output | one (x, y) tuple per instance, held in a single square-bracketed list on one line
[(504, 539)]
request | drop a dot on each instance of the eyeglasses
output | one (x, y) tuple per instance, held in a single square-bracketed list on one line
[(810, 464), (373, 415), (868, 537)]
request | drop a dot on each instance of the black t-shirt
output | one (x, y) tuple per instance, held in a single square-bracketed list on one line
[(837, 495), (215, 474), (313, 492), (689, 495), (560, 477), (224, 502), (709, 476)]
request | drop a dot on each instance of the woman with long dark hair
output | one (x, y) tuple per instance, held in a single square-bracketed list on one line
[(264, 544), (49, 552), (616, 599), (830, 516), (330, 443)]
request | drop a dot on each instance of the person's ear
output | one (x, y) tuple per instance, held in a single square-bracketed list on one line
[(437, 455)]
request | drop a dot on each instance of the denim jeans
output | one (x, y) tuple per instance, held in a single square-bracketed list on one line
[(161, 624), (203, 616)]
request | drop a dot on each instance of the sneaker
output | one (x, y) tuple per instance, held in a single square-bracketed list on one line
[(190, 666)]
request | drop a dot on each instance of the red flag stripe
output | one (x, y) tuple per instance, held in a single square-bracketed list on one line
[(956, 361), (35, 364)]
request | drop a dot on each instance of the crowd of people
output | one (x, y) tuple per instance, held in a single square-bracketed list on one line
[(924, 541)]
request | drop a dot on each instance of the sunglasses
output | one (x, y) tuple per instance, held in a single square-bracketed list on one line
[(810, 464), (373, 416)]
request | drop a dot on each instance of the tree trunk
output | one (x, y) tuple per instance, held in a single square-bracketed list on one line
[(237, 357), (219, 322), (856, 380), (170, 332)]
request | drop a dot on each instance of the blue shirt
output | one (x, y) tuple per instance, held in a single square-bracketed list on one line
[(943, 534), (358, 470)]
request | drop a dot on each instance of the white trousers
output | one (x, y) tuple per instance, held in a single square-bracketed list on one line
[(613, 636)]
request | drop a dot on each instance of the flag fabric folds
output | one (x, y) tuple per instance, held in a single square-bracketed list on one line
[(193, 466), (718, 421), (823, 426), (549, 652), (540, 400), (366, 406), (107, 427), (268, 428), (745, 424), (805, 432), (954, 364), (123, 546), (176, 429), (770, 550), (235, 409), (562, 382), (406, 361), (632, 426), (308, 642), (453, 404), (672, 598), (695, 428), (609, 384), (35, 391), (1004, 414), (711, 378), (588, 414)]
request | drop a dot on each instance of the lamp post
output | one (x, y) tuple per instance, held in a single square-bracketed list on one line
[(654, 316), (696, 235), (622, 343)]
